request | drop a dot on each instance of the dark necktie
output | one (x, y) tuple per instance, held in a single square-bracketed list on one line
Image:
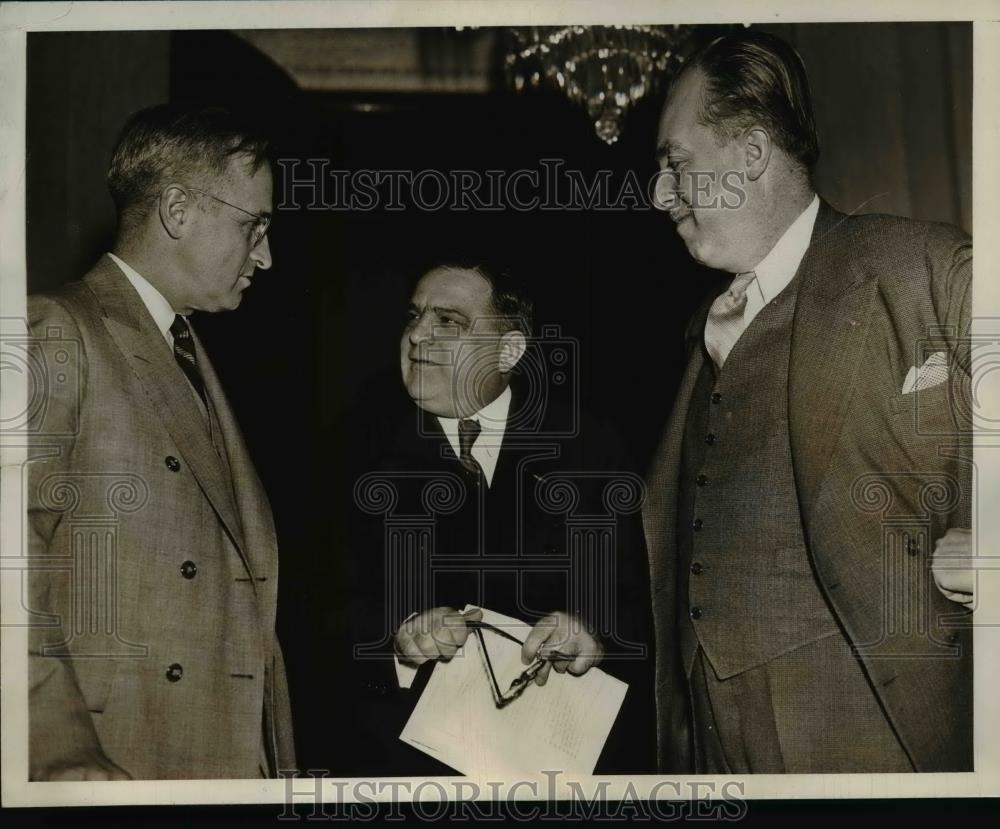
[(468, 431), (184, 353)]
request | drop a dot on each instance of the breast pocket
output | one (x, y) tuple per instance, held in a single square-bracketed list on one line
[(932, 411)]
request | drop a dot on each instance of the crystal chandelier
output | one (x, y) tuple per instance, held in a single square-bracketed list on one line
[(605, 69)]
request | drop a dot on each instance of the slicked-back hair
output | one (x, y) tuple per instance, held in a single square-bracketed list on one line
[(177, 144), (757, 78), (510, 301)]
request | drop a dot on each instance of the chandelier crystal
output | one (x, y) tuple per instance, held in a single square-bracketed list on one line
[(604, 69)]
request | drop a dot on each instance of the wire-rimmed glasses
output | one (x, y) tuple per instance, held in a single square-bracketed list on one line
[(260, 226), (500, 697)]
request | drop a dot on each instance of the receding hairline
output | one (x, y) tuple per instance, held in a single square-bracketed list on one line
[(495, 296), (689, 70), (446, 269)]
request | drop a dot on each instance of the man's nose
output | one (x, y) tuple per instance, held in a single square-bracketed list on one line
[(261, 254), (420, 329)]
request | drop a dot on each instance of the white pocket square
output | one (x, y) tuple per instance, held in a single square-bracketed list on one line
[(932, 373)]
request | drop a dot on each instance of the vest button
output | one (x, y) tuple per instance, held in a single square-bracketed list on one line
[(696, 612), (716, 397), (697, 524), (912, 547), (175, 672), (710, 438), (189, 569), (701, 480), (172, 463), (696, 568)]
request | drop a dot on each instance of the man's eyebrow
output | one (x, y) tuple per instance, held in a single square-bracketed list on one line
[(444, 309), (664, 148)]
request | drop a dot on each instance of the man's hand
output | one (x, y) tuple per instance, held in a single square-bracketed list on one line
[(565, 642), (434, 634), (89, 765), (952, 565)]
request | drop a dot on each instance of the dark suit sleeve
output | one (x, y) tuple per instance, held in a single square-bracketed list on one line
[(631, 746), (61, 731)]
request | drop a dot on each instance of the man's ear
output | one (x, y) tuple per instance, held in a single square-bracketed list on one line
[(758, 152), (176, 210), (513, 344)]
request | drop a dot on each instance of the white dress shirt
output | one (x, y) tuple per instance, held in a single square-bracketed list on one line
[(776, 270), (157, 305), (161, 311), (492, 419)]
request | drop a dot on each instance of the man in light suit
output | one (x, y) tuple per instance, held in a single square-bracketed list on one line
[(153, 590), (816, 455)]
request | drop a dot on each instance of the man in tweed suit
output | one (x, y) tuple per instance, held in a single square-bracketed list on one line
[(152, 650), (814, 457)]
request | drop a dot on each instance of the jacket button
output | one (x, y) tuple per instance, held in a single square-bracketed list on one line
[(710, 438), (697, 568), (175, 672), (172, 463), (912, 547), (701, 480), (696, 612), (697, 524), (716, 398), (189, 569)]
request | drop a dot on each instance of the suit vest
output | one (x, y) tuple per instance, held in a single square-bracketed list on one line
[(746, 587)]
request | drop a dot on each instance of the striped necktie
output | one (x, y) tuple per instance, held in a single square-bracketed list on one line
[(468, 431), (725, 318), (184, 353)]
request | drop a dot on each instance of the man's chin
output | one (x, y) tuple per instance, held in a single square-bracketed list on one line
[(433, 407), (696, 248)]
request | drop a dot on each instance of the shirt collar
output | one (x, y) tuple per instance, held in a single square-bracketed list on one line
[(776, 270), (161, 311), (492, 419)]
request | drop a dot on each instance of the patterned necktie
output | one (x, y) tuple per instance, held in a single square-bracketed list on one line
[(184, 353), (468, 431), (725, 318)]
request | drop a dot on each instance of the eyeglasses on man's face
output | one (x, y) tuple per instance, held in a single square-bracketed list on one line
[(260, 225)]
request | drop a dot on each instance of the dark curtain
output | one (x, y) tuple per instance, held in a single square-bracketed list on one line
[(893, 106)]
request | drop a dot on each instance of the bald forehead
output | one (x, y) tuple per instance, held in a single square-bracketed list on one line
[(680, 112), (466, 288)]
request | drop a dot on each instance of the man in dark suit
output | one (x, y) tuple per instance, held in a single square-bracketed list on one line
[(815, 457), (153, 652), (490, 493)]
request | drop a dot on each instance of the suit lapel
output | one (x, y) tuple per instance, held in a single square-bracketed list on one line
[(147, 352), (253, 511), (830, 327), (434, 443)]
